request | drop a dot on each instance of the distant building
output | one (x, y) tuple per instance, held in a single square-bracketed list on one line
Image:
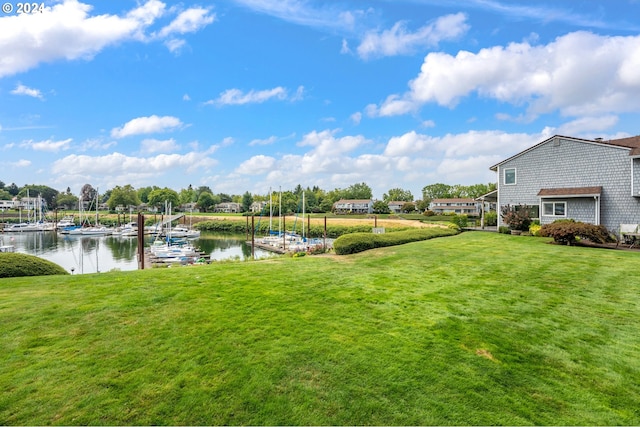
[(353, 206), (396, 205), (228, 207), (457, 206), (258, 206)]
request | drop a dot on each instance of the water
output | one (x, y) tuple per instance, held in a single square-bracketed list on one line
[(94, 254)]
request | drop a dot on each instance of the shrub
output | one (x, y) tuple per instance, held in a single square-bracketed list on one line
[(503, 229), (359, 242), (19, 265), (567, 232), (460, 220), (516, 217), (534, 229), (429, 213), (491, 218)]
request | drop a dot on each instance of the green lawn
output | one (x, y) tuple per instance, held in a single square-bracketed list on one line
[(478, 328)]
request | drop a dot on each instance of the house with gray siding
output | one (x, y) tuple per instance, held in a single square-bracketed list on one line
[(595, 181)]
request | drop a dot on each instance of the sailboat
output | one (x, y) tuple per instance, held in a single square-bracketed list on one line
[(96, 230)]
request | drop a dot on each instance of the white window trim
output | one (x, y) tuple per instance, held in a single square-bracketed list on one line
[(515, 176), (553, 205)]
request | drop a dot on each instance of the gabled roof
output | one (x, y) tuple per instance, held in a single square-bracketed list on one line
[(570, 192), (454, 200), (632, 143), (360, 201)]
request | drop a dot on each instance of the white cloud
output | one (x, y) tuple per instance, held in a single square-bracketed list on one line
[(188, 21), (237, 97), (68, 31), (24, 90), (175, 45), (48, 145), (96, 144), (147, 125), (398, 40), (267, 141), (256, 165), (22, 163), (186, 97), (149, 146), (577, 74), (356, 117), (118, 167), (328, 17), (586, 125)]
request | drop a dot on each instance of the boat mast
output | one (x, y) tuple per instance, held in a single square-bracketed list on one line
[(303, 216), (280, 213), (270, 210)]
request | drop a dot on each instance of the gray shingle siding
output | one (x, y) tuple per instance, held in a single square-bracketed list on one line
[(565, 163)]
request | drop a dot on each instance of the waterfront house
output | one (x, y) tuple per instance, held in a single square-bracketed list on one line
[(594, 181), (460, 206), (353, 206), (396, 206), (228, 207)]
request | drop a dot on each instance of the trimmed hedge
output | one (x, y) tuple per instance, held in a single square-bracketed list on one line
[(19, 265), (359, 242), (333, 231)]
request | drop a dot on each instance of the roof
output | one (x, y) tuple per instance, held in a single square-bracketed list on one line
[(453, 200), (632, 143), (570, 192), (354, 201)]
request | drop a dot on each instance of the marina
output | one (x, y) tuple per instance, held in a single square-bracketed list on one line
[(82, 254)]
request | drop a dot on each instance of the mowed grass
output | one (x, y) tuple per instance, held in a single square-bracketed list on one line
[(478, 328)]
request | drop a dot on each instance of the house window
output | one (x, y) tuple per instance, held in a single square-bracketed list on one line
[(555, 209), (510, 176)]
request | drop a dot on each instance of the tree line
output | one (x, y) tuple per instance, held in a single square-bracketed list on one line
[(203, 198)]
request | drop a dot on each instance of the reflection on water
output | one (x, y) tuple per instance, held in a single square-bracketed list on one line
[(91, 254)]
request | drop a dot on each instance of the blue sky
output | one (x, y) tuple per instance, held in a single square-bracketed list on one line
[(243, 95)]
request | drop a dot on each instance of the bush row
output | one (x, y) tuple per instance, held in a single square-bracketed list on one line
[(333, 231), (359, 242)]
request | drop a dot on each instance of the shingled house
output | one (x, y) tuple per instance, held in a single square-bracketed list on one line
[(595, 181)]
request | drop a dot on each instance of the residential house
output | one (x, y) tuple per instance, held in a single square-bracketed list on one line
[(7, 204), (189, 207), (257, 207), (395, 206), (594, 181), (458, 206), (353, 206), (228, 207)]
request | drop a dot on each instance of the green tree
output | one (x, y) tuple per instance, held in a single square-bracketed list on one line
[(398, 195), (207, 201), (13, 189), (224, 198), (158, 196), (187, 195), (123, 196), (247, 200), (47, 193), (358, 191), (5, 195), (381, 207), (88, 193), (2, 185), (436, 191), (422, 205), (408, 207), (143, 193), (67, 201)]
